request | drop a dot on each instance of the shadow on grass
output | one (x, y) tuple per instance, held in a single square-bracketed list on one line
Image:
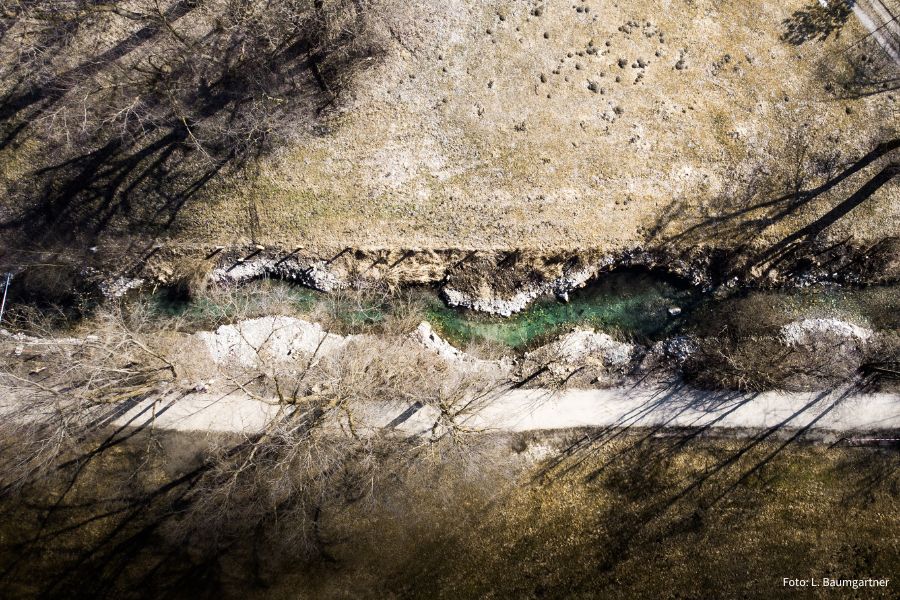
[(119, 140), (112, 515), (756, 208), (118, 543), (634, 461), (816, 22)]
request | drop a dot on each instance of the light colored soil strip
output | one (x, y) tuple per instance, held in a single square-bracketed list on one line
[(525, 410)]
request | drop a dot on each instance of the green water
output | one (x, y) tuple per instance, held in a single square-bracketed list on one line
[(248, 301), (628, 305), (344, 312)]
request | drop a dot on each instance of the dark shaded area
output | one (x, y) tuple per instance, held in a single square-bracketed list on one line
[(816, 22), (121, 140), (761, 202), (136, 513)]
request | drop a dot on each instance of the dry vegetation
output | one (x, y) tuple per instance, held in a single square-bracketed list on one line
[(116, 115), (424, 124), (628, 516), (477, 131), (60, 397), (316, 504), (58, 391), (760, 363), (488, 125)]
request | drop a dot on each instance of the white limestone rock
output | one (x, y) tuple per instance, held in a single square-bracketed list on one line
[(279, 338), (581, 344), (809, 332)]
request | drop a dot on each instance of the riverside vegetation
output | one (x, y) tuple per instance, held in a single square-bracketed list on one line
[(175, 173), (310, 505)]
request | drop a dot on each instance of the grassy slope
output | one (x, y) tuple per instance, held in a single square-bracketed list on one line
[(452, 141)]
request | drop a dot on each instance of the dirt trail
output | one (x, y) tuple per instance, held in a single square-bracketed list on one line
[(516, 410), (882, 22)]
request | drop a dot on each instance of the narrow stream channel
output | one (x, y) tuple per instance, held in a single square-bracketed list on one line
[(632, 305), (627, 304)]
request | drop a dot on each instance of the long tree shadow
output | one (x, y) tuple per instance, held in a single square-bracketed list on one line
[(733, 222), (778, 251), (122, 139), (666, 510), (743, 219), (44, 95), (116, 541)]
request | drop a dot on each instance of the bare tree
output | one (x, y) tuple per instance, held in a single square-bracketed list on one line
[(58, 392), (321, 451)]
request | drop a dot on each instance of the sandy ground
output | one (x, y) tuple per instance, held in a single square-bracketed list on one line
[(538, 409)]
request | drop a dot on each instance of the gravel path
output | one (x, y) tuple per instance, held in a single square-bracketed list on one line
[(882, 23), (536, 409)]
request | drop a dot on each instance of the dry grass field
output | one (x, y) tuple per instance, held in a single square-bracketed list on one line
[(630, 515), (570, 124), (563, 124)]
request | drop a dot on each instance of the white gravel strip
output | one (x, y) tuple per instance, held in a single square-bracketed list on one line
[(525, 410)]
